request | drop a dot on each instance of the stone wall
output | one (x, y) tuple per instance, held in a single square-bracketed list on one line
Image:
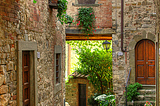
[(157, 3), (72, 96), (23, 20), (139, 23)]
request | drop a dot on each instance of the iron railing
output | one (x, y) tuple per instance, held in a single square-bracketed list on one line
[(127, 84)]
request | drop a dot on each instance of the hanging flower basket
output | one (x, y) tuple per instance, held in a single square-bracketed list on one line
[(53, 3)]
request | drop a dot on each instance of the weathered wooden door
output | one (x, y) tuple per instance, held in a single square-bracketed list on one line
[(82, 94), (26, 74), (145, 62)]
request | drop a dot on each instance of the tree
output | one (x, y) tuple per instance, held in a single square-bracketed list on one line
[(97, 63)]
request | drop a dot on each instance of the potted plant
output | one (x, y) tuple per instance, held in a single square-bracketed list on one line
[(148, 104), (53, 3)]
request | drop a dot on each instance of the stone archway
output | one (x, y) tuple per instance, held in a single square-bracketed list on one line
[(132, 45)]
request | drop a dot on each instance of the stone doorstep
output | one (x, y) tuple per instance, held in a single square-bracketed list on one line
[(146, 97), (146, 91), (136, 103), (148, 86)]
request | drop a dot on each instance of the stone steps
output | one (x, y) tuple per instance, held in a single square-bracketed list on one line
[(147, 93)]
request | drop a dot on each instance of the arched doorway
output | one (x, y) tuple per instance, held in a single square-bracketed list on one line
[(145, 62)]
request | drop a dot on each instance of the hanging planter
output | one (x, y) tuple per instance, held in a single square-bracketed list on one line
[(53, 3)]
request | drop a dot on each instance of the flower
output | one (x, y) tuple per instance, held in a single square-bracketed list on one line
[(148, 104), (90, 13)]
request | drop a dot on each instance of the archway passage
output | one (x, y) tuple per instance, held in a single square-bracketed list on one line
[(145, 62)]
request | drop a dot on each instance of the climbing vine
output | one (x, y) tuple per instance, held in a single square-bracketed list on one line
[(62, 7), (86, 19)]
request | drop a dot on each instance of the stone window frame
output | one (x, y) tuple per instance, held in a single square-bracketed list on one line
[(76, 4), (32, 48), (58, 50), (132, 46)]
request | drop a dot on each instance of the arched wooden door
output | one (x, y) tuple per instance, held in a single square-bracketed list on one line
[(145, 62)]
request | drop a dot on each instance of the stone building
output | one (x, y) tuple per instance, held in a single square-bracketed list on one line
[(135, 45), (103, 24), (78, 90), (134, 32), (32, 54)]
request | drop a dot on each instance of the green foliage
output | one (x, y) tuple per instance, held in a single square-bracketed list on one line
[(92, 101), (95, 62), (86, 19), (68, 19), (132, 91), (62, 7), (88, 43), (34, 1), (106, 100), (66, 81)]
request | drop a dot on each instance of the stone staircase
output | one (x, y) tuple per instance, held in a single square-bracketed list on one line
[(147, 93)]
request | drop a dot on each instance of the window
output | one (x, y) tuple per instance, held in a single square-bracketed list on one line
[(57, 68), (53, 4), (58, 71), (86, 3)]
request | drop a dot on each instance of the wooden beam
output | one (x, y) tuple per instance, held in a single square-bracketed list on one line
[(100, 34), (82, 37)]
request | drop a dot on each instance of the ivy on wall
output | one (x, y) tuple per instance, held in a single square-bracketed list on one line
[(86, 20)]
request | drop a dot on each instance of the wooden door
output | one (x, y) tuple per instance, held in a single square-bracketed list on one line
[(82, 94), (145, 62), (26, 78)]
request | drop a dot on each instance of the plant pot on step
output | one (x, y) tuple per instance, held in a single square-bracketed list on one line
[(53, 4)]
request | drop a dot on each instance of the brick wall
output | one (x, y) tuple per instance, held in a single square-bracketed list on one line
[(103, 12), (28, 21)]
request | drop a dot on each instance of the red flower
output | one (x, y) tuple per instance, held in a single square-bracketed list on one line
[(73, 20), (98, 26), (95, 17), (95, 30)]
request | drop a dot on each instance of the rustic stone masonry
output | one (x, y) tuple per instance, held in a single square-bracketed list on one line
[(157, 5), (72, 96), (139, 23), (23, 20)]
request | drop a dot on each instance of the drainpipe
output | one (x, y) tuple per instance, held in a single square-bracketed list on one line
[(122, 7)]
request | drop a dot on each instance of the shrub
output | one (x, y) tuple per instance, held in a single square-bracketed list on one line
[(132, 91)]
